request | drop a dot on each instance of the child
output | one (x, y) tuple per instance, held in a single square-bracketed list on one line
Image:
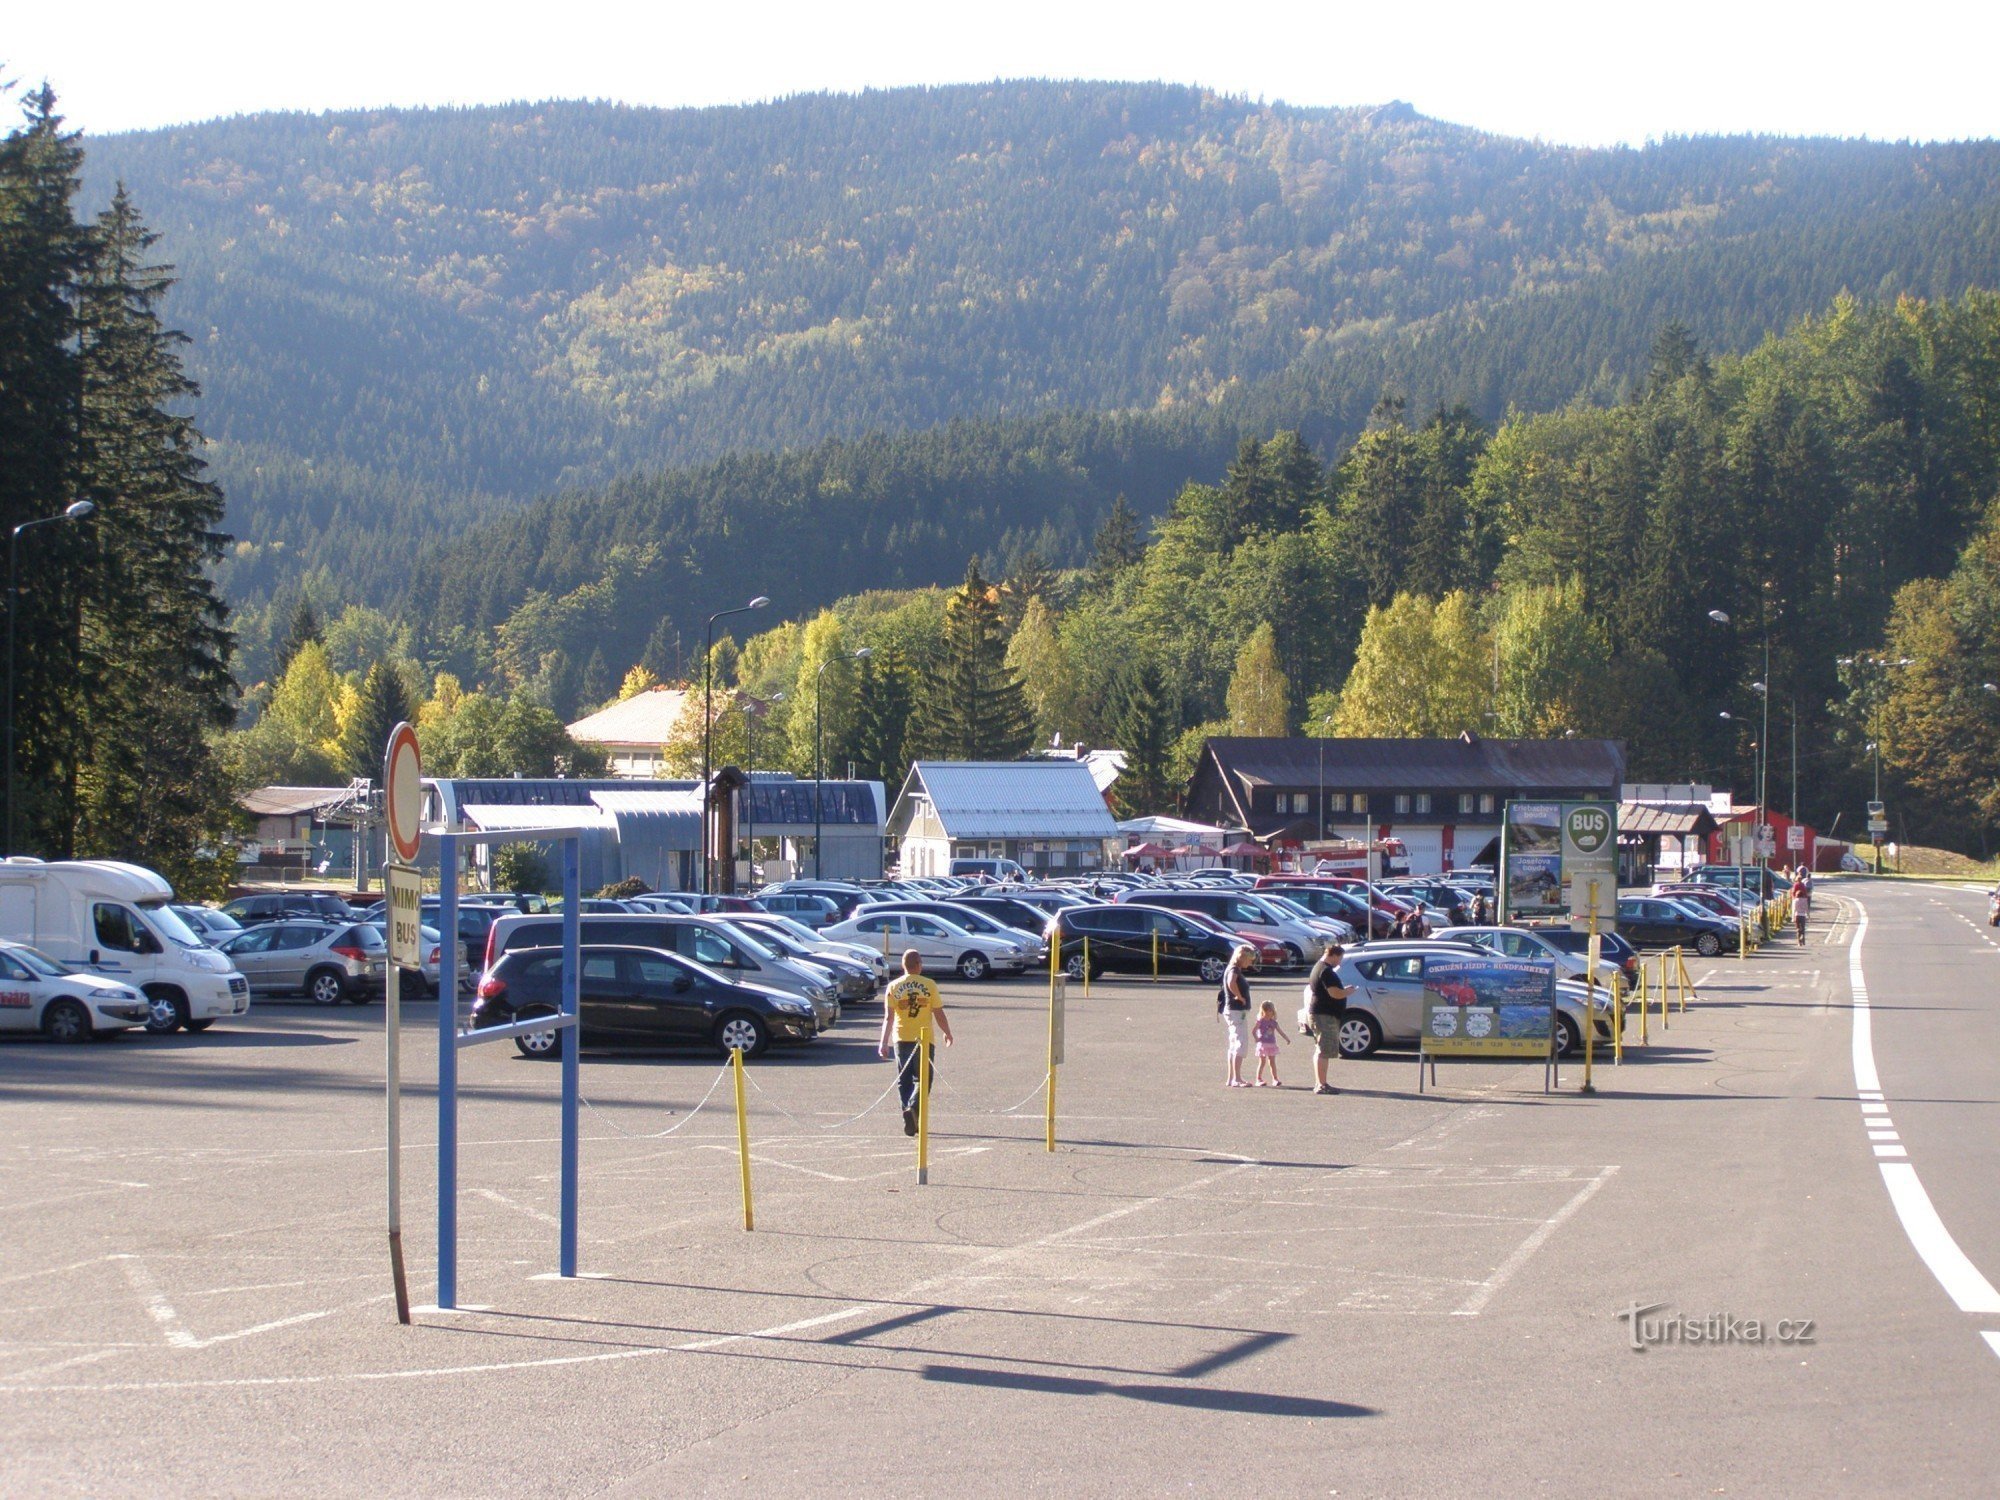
[(1266, 1031)]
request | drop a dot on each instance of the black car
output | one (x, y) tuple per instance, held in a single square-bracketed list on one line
[(1331, 901), (1008, 911), (1652, 922), (1122, 938), (639, 997), (1610, 944), (279, 906)]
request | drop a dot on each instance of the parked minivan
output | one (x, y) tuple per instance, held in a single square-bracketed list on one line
[(102, 916)]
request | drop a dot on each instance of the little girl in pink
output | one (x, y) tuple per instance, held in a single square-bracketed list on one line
[(1266, 1032)]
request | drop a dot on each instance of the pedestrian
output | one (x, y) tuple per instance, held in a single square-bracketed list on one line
[(1267, 1033), (1801, 903), (911, 1006), (1232, 1005), (1327, 1006)]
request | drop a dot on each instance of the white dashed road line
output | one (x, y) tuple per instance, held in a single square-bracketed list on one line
[(1960, 1278)]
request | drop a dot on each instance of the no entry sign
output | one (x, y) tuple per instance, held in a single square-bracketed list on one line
[(403, 794)]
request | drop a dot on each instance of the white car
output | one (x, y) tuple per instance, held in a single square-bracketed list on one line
[(38, 994), (942, 943), (1525, 942)]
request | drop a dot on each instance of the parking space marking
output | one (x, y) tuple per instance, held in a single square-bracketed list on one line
[(154, 1299), (1525, 1251)]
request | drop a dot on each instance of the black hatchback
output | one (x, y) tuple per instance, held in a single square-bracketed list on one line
[(1126, 938), (639, 998)]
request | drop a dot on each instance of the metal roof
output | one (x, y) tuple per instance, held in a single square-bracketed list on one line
[(1468, 763), (1012, 799), (290, 801), (644, 719), (772, 803), (1680, 820), (497, 817)]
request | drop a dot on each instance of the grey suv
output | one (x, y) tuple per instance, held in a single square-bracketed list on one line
[(327, 962)]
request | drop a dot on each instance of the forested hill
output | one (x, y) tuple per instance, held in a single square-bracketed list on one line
[(406, 321)]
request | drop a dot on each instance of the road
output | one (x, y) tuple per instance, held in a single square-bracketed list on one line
[(1204, 1291)]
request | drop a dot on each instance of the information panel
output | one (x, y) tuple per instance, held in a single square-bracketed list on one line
[(1553, 854), (1479, 1006)]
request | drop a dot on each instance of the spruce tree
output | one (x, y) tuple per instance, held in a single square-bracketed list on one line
[(154, 647), (975, 708), (385, 703), (303, 626), (1118, 544), (1146, 719), (886, 692)]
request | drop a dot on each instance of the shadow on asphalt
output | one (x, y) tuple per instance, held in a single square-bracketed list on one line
[(1199, 1398)]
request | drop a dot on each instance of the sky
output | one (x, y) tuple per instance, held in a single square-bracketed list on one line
[(1578, 74)]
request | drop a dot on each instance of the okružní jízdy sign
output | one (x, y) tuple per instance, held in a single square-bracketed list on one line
[(1478, 1006)]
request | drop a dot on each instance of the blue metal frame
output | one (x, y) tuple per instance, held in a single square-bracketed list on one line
[(450, 1039)]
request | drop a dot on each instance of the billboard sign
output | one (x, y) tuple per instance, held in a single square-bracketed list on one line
[(1483, 1006), (1553, 855)]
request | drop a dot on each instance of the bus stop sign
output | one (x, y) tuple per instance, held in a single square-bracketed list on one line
[(402, 780)]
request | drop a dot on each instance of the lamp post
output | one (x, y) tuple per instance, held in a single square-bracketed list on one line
[(750, 749), (1324, 725), (708, 717), (1763, 690), (1757, 773), (1875, 725), (819, 678), (75, 511)]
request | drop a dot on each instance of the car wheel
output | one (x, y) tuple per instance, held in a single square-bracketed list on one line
[(166, 1010), (324, 987), (973, 965), (739, 1031), (1213, 968), (1359, 1034), (1708, 945), (542, 1046), (1073, 967), (202, 1025), (1566, 1041), (66, 1021), (1291, 957)]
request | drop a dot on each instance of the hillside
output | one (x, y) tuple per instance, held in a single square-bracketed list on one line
[(408, 322)]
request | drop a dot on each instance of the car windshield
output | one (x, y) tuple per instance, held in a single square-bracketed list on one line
[(1287, 906), (798, 932), (758, 946), (172, 926), (39, 961)]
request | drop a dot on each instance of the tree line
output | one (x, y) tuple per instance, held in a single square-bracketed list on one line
[(121, 671)]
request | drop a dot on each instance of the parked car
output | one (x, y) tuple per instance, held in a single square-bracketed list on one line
[(714, 944), (942, 942), (1610, 944), (1653, 922), (430, 973), (1724, 901), (854, 977), (818, 942), (1535, 942), (1385, 1006), (846, 898), (976, 922), (639, 997), (1122, 939), (273, 906), (812, 908), (39, 994), (1296, 935), (1758, 880), (989, 869), (211, 924), (327, 962)]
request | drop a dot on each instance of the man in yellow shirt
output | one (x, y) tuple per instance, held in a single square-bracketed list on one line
[(910, 1006)]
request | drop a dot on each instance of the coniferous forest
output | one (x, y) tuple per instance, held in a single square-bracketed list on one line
[(1289, 420)]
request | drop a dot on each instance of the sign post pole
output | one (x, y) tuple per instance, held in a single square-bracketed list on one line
[(1595, 947), (402, 779), (1057, 995)]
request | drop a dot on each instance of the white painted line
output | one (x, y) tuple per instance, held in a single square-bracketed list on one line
[(1882, 1135), (1961, 1279), (1523, 1252), (1875, 1109), (844, 1315), (1992, 1341), (1891, 1151), (1875, 1096), (155, 1300), (534, 1213)]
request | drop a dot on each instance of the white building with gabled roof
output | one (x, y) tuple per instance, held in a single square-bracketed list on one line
[(633, 731), (1046, 815)]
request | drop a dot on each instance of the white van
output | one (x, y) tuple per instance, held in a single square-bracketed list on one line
[(103, 917)]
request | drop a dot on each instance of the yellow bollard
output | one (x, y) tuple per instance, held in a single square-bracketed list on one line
[(1680, 982), (1618, 1020), (1663, 992), (742, 1135), (1589, 1029), (1742, 933), (924, 1107), (1049, 1120), (1687, 984), (1645, 1036)]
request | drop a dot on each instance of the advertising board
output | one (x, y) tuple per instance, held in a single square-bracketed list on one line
[(1483, 1006), (1553, 855)]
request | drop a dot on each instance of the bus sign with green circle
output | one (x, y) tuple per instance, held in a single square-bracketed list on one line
[(1588, 829)]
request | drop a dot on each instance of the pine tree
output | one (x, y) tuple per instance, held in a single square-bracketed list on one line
[(1118, 544), (384, 704), (882, 738), (594, 688), (1147, 721), (154, 643), (974, 707), (303, 626)]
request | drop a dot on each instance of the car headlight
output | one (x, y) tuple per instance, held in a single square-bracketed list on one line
[(208, 959), (823, 992), (792, 1007)]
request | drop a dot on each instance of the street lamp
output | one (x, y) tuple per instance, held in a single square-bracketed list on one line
[(750, 749), (818, 750), (1324, 724), (75, 511), (708, 716), (1763, 690)]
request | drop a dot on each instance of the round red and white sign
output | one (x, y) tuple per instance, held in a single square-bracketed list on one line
[(402, 781)]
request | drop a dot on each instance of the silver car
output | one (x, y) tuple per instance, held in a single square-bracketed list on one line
[(1525, 942), (1385, 1006), (327, 962)]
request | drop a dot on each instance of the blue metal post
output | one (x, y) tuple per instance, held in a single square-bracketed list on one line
[(447, 1168), (572, 987)]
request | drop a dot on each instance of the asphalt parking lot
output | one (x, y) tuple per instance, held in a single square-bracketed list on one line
[(1203, 1290)]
